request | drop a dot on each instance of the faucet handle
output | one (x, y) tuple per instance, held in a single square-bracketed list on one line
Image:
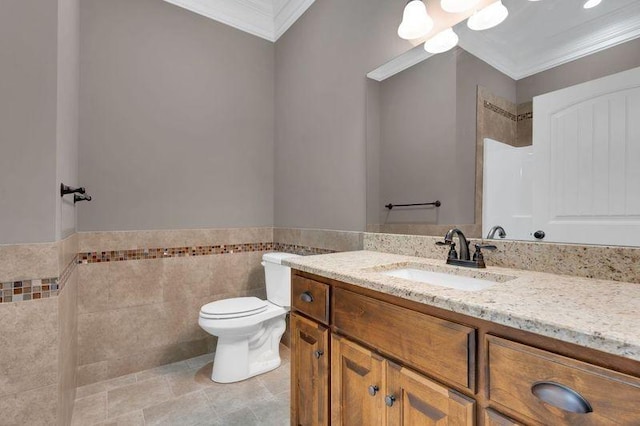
[(444, 243), (453, 254)]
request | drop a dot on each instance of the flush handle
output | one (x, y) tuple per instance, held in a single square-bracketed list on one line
[(562, 397), (306, 297), (318, 354), (373, 390)]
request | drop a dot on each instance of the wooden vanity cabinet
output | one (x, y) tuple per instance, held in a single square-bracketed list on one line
[(367, 389), (309, 372), (360, 357)]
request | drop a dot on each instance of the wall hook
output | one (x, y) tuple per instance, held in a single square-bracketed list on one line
[(66, 189), (82, 197)]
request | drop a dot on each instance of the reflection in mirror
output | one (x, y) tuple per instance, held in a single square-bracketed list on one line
[(426, 124)]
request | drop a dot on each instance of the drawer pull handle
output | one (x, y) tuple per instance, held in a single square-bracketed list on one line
[(318, 354), (306, 297), (373, 390), (561, 396), (389, 400)]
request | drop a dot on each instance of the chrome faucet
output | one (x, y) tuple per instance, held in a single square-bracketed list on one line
[(492, 232), (464, 259)]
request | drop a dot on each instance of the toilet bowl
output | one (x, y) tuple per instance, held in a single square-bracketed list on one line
[(249, 329)]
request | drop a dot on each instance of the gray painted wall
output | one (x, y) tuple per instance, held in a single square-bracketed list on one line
[(36, 114), (176, 120), (610, 61), (321, 63), (67, 113)]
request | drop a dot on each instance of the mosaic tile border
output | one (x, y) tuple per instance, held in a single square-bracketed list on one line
[(34, 289), (163, 253), (525, 116), (503, 112), (42, 288)]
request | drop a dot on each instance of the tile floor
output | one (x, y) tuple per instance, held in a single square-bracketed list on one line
[(183, 394)]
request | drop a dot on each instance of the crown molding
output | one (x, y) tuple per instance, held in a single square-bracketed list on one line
[(400, 63), (612, 29), (268, 19)]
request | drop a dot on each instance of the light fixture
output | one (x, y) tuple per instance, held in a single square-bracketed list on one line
[(416, 22), (441, 42), (591, 3), (488, 17), (457, 6)]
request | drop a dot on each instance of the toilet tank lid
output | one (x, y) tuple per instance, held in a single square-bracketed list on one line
[(277, 257)]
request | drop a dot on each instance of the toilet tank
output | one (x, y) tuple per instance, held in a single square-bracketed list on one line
[(278, 278)]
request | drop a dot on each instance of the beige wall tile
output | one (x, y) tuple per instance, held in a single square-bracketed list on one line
[(67, 250), (319, 238), (135, 283), (36, 407), (67, 348), (128, 240), (186, 277), (93, 287), (28, 261)]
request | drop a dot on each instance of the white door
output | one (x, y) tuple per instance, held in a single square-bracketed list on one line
[(586, 141)]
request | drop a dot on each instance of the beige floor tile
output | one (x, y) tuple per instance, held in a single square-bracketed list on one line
[(278, 380), (183, 382), (106, 385), (230, 397), (137, 396), (163, 370), (272, 413), (90, 410), (135, 418), (200, 361), (186, 410), (242, 417)]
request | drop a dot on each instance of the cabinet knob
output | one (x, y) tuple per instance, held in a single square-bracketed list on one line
[(318, 354), (306, 297), (373, 390), (562, 397), (389, 400)]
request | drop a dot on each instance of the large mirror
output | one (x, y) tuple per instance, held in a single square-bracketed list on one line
[(428, 117)]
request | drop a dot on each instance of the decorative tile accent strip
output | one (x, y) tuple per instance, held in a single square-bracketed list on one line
[(50, 287), (491, 107), (161, 253), (18, 291), (525, 116), (41, 288)]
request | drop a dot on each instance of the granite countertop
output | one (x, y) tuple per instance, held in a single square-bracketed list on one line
[(598, 314)]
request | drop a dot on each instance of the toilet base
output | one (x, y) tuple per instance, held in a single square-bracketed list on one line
[(239, 358)]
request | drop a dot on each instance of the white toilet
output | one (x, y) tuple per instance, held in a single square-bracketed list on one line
[(249, 329)]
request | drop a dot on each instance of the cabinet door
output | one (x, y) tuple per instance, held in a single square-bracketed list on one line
[(309, 372), (415, 400), (493, 418), (357, 385)]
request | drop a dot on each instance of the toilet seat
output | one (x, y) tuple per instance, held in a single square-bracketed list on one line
[(236, 307)]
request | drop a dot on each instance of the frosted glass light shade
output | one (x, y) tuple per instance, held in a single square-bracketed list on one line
[(416, 22), (591, 3), (457, 6), (488, 17), (441, 42)]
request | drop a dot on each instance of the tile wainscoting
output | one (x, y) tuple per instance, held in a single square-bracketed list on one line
[(38, 339), (140, 292)]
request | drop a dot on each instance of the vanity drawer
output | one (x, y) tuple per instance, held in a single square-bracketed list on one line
[(517, 371), (311, 298), (442, 349)]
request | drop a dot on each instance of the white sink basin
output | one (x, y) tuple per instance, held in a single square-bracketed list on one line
[(441, 279)]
